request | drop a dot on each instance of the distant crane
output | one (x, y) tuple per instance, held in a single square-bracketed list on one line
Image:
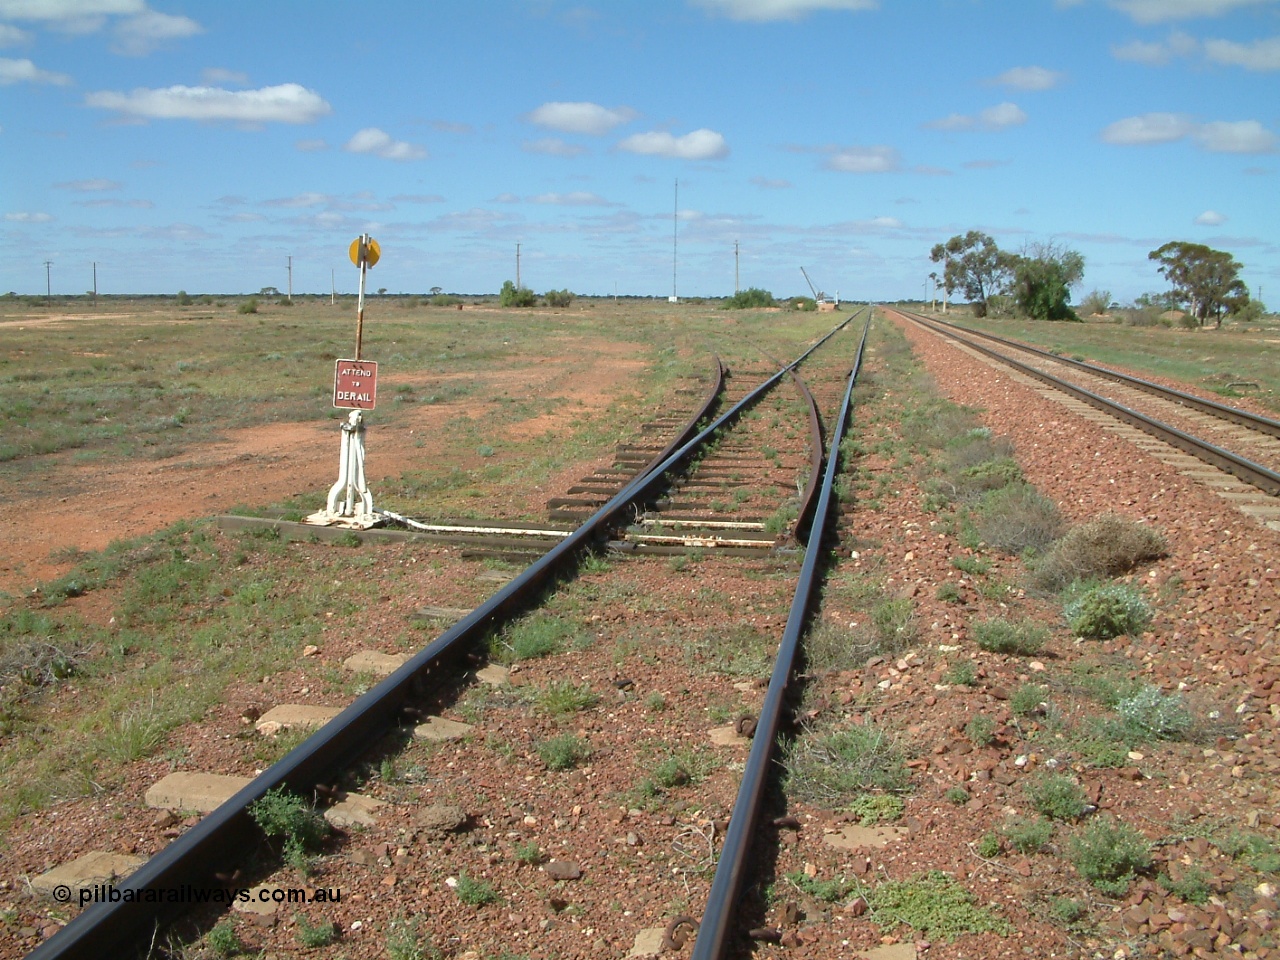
[(818, 296)]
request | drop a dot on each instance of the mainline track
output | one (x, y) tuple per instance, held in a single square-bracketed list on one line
[(1263, 476), (218, 843)]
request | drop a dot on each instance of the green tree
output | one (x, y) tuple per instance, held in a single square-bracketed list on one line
[(513, 296), (1207, 281), (975, 266), (1042, 280), (559, 298)]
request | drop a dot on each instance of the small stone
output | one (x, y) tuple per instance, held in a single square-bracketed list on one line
[(310, 650)]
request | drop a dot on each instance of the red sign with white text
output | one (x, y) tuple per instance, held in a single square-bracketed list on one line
[(355, 384)]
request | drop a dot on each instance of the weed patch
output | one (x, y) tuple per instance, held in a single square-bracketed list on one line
[(564, 752), (935, 904), (1056, 796)]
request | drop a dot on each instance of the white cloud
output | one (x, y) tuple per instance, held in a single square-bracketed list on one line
[(138, 36), (999, 117), (380, 144), (24, 217), (701, 144), (1210, 218), (1161, 11), (1030, 78), (581, 117), (577, 198), (286, 103), (506, 198), (1259, 55), (114, 202), (316, 145), (878, 159), (1219, 136), (764, 10), (213, 76), (11, 36), (299, 201), (24, 71), (67, 9), (89, 186), (417, 198), (554, 147), (1148, 128), (1242, 136), (765, 183), (1157, 53)]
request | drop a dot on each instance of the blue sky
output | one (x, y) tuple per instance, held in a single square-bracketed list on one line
[(198, 145)]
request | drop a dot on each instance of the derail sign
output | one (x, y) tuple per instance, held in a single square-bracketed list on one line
[(355, 384)]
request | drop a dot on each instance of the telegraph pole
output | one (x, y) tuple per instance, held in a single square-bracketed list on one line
[(291, 279), (517, 266), (95, 284), (735, 268), (48, 284)]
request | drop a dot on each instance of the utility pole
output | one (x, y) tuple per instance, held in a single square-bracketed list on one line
[(95, 284), (735, 268), (517, 266), (291, 279), (333, 289), (675, 222), (48, 284)]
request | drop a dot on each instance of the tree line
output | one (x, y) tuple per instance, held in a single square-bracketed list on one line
[(1037, 282)]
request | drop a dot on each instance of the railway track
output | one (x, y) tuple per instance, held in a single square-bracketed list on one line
[(216, 851), (1234, 452)]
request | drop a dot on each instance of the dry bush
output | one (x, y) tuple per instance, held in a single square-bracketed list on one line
[(1017, 518), (1106, 547)]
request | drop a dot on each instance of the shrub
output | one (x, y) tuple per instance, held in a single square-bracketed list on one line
[(283, 814), (1108, 610), (1028, 699), (749, 298), (957, 795), (1000, 636), (1096, 303), (989, 846), (949, 592), (562, 697), (564, 752), (248, 306), (873, 808), (895, 623), (223, 940), (981, 730), (315, 935), (445, 300), (559, 298), (1152, 715), (1109, 546), (1028, 836), (184, 299), (1110, 854), (803, 303), (1056, 796), (962, 673), (1017, 518), (1191, 885), (836, 767), (476, 893)]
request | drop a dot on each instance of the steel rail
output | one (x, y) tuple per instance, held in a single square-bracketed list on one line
[(224, 836), (1254, 474), (1221, 410), (722, 900)]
